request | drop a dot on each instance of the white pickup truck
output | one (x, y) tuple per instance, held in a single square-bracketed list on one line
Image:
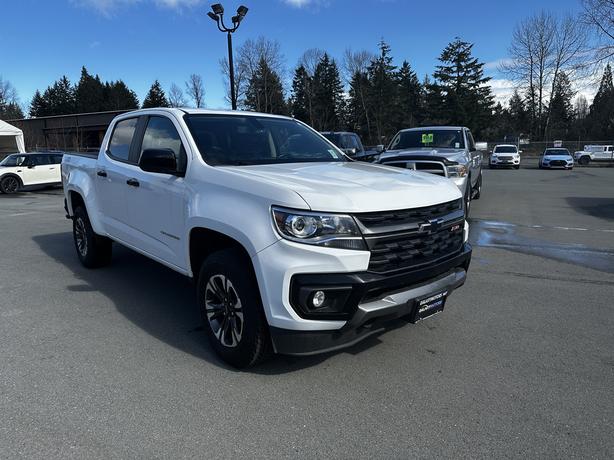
[(595, 153), (294, 248)]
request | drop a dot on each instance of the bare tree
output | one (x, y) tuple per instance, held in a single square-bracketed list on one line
[(196, 90), (356, 62), (176, 97), (310, 60), (581, 107), (542, 47), (599, 14), (247, 60)]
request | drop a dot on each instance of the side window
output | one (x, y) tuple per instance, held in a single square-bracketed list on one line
[(38, 160), (162, 134), (470, 141), (56, 159), (359, 147), (121, 139)]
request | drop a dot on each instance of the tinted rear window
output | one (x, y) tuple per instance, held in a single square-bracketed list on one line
[(119, 147)]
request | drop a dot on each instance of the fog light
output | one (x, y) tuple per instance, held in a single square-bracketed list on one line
[(318, 299)]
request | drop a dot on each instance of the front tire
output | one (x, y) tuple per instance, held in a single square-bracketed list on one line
[(478, 188), (93, 250), (584, 161), (10, 185), (231, 309), (467, 198)]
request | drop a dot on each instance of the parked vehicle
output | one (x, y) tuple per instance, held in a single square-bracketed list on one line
[(505, 156), (293, 247), (446, 151), (25, 169), (556, 158), (595, 153)]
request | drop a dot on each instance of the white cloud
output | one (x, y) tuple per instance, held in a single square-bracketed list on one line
[(108, 7), (495, 65), (297, 3), (502, 89)]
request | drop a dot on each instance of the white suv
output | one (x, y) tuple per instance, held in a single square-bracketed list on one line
[(24, 169), (505, 156)]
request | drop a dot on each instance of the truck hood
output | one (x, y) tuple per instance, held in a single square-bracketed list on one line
[(450, 154), (354, 186)]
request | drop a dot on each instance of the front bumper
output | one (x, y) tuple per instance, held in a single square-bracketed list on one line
[(499, 162), (381, 299)]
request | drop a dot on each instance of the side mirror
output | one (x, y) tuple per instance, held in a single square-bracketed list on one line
[(30, 166), (379, 148), (162, 161), (519, 151), (351, 152)]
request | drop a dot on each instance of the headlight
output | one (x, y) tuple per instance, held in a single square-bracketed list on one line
[(329, 230), (457, 171)]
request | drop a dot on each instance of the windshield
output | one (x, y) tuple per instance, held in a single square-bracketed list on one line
[(253, 140), (551, 152), (428, 138), (13, 160), (333, 137), (505, 149)]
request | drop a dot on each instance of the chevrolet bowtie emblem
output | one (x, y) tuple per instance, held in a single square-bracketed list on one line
[(431, 226)]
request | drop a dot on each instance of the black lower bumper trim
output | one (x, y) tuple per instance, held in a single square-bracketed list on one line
[(373, 316)]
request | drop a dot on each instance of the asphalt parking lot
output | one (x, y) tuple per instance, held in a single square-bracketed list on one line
[(112, 363)]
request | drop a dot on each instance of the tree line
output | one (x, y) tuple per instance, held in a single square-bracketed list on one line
[(550, 56), (91, 94)]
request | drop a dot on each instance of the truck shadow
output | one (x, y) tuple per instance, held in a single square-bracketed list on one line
[(602, 208), (161, 302)]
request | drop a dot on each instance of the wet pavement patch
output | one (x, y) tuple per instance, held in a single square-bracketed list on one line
[(505, 235)]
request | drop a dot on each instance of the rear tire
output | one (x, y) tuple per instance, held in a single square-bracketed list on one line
[(517, 167), (584, 161), (10, 185), (231, 309), (93, 250)]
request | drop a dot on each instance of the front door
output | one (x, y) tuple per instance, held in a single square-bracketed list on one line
[(156, 203)]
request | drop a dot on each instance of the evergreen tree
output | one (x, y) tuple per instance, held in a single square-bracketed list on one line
[(90, 93), (264, 91), (117, 96), (518, 114), (468, 101), (600, 119), (357, 110), (409, 98), (11, 111), (155, 97), (38, 106), (59, 99), (383, 91), (328, 102), (300, 101), (561, 108)]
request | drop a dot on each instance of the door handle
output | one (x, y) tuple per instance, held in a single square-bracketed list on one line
[(133, 182), (101, 174)]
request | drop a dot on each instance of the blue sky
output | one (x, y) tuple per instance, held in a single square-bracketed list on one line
[(141, 40)]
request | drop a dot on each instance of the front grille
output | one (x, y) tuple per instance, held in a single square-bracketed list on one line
[(558, 163), (409, 245), (505, 158), (433, 167), (375, 222)]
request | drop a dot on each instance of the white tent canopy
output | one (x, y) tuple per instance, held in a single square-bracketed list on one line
[(11, 139)]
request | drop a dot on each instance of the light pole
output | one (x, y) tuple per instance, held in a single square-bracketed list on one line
[(217, 14)]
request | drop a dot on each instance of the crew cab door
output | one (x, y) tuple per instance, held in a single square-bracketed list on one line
[(156, 202), (114, 167)]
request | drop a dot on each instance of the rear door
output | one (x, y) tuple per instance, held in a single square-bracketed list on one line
[(115, 166), (157, 205), (37, 170)]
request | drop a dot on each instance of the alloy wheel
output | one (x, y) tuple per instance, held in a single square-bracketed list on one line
[(80, 236), (224, 310), (10, 185)]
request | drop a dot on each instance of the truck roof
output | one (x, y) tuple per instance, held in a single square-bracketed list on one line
[(421, 128), (182, 111)]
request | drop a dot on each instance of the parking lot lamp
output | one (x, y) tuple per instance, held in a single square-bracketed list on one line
[(217, 14)]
